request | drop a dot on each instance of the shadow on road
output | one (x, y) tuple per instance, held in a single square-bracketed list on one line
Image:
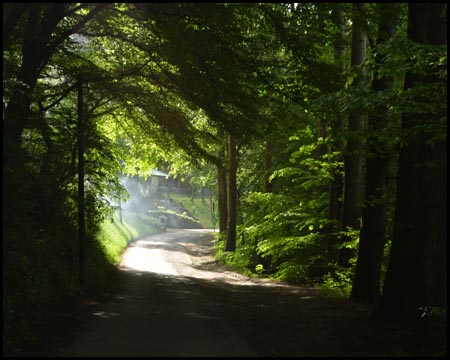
[(276, 319), (174, 299)]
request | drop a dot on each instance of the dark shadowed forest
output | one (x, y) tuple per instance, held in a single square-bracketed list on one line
[(311, 136)]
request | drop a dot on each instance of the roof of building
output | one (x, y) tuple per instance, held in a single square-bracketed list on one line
[(159, 173)]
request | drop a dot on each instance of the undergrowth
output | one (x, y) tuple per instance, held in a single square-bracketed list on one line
[(47, 275)]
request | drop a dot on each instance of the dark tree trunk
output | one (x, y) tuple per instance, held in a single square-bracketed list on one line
[(417, 269), (353, 157), (39, 43), (230, 244), (336, 188), (222, 195), (41, 22), (12, 14), (366, 283), (339, 42)]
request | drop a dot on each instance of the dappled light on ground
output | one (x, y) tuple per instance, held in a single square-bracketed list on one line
[(176, 300), (187, 253), (139, 258)]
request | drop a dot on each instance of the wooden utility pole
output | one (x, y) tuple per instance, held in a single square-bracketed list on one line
[(81, 205)]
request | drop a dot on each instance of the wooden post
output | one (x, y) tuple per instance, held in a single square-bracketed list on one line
[(81, 205)]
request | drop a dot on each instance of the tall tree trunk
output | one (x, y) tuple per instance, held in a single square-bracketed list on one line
[(222, 195), (366, 282), (230, 244), (353, 157), (339, 41), (417, 269), (336, 188)]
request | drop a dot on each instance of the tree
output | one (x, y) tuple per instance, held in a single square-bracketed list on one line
[(215, 74), (417, 269), (336, 129), (41, 35), (353, 162), (366, 281), (230, 244), (178, 83), (222, 193)]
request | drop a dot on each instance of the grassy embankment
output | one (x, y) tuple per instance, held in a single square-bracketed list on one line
[(197, 208), (113, 236), (51, 282), (57, 281)]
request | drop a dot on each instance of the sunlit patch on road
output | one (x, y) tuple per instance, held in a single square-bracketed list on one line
[(174, 299), (185, 254), (142, 259)]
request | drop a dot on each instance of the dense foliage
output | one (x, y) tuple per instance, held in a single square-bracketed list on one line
[(273, 108)]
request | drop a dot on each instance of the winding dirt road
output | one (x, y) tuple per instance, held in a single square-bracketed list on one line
[(175, 300), (160, 311)]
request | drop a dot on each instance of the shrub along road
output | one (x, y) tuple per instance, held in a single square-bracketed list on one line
[(173, 299)]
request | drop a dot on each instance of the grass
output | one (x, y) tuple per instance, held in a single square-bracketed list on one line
[(143, 225), (235, 261), (49, 275), (197, 208), (111, 240), (115, 237)]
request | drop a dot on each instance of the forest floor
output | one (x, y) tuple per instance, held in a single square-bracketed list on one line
[(173, 299)]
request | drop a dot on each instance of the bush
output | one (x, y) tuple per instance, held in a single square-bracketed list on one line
[(338, 282)]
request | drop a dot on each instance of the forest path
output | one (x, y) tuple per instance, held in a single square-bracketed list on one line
[(174, 299)]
